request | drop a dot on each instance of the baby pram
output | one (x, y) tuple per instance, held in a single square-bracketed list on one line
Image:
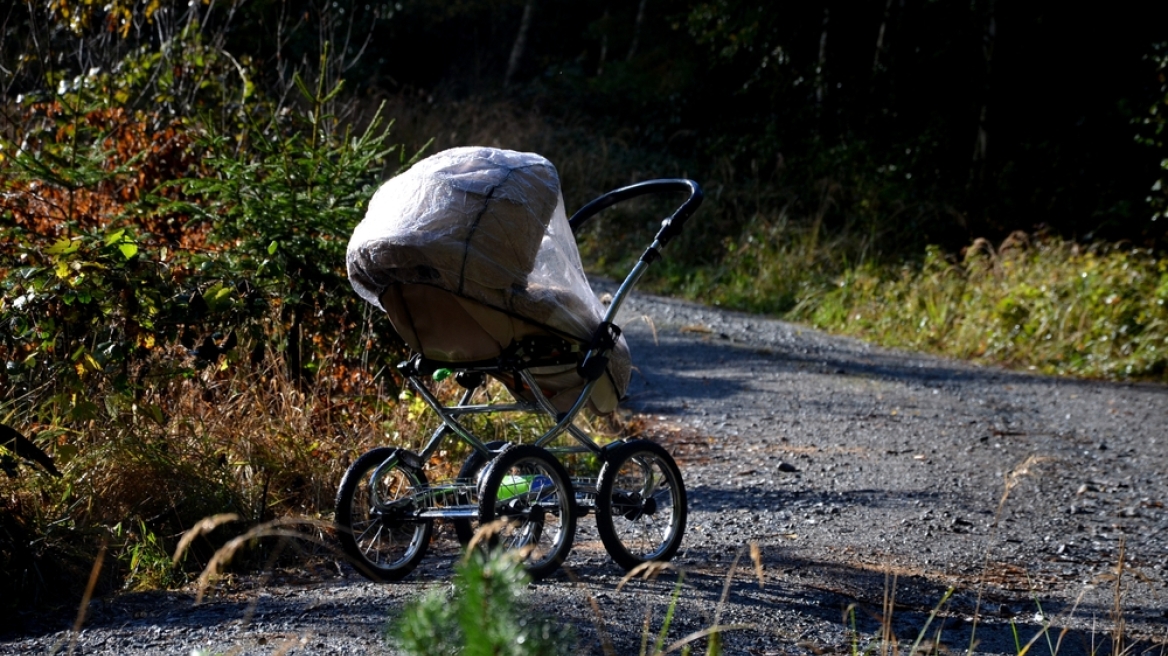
[(473, 258)]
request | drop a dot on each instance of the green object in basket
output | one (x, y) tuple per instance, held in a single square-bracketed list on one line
[(514, 485)]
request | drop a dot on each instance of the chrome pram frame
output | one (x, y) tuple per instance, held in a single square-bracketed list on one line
[(385, 507)]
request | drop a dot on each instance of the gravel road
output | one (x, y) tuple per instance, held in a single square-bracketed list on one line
[(871, 480)]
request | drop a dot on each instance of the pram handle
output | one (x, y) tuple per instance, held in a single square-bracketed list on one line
[(670, 227)]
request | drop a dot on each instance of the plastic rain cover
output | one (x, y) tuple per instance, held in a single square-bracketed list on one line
[(469, 251)]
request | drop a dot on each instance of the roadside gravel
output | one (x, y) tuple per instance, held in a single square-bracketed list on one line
[(868, 478)]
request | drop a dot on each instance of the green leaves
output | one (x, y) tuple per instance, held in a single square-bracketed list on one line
[(218, 297), (292, 197), (281, 198), (1153, 130), (64, 247), (125, 245)]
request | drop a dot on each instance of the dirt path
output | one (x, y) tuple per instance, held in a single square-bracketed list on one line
[(863, 475)]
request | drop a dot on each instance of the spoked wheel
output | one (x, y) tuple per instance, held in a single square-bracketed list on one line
[(526, 486), (469, 474), (375, 515), (640, 504)]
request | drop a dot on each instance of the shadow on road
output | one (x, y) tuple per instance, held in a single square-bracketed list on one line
[(852, 599), (687, 366)]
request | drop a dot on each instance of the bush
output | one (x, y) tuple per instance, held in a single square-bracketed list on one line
[(177, 329)]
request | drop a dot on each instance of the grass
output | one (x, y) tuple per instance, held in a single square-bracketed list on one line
[(236, 438), (1049, 638), (1041, 304), (1036, 303), (238, 441)]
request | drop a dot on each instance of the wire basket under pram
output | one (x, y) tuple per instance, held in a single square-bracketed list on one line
[(473, 258)]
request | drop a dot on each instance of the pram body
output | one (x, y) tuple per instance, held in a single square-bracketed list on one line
[(470, 253), (472, 256)]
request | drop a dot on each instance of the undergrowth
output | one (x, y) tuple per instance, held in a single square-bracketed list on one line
[(177, 331), (1038, 303)]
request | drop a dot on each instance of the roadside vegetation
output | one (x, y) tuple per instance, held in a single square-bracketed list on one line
[(178, 335), (1033, 302)]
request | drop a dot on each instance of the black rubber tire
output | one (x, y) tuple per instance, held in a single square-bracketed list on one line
[(381, 549), (469, 473), (544, 520), (640, 504)]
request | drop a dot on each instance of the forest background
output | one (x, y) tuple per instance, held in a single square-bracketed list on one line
[(981, 179)]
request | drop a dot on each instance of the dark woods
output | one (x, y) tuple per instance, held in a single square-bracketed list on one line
[(959, 119), (178, 181), (983, 117)]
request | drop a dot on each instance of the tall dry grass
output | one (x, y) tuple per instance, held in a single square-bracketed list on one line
[(232, 437)]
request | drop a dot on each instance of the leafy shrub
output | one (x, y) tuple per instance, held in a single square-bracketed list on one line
[(177, 329), (278, 202)]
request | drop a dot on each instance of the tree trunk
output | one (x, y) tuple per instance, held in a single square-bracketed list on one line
[(981, 141), (880, 37), (603, 44), (520, 42), (637, 30), (821, 65)]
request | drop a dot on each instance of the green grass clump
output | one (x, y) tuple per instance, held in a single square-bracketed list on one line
[(1043, 304), (485, 613), (1035, 302)]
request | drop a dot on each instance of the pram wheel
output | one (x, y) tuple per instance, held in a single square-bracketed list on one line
[(526, 486), (469, 474), (375, 516), (640, 504)]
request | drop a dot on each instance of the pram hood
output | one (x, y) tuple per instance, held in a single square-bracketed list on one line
[(470, 251)]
